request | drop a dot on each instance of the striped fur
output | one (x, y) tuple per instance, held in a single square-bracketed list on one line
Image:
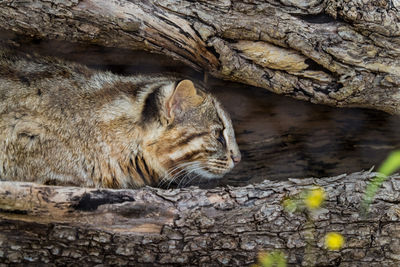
[(64, 124)]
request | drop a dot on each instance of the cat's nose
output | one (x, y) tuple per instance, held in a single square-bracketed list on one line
[(236, 158)]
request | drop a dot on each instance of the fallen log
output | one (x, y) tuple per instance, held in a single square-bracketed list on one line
[(191, 226), (335, 52)]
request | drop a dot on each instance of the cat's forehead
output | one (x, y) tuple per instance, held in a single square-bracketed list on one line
[(223, 115), (209, 115)]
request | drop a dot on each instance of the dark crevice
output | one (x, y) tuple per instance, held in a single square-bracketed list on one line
[(235, 41), (297, 90), (190, 54), (312, 65), (266, 76), (19, 212), (332, 87), (325, 91), (91, 201), (212, 50), (175, 26), (338, 86), (321, 18)]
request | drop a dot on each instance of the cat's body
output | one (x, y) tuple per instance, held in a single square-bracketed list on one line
[(65, 124)]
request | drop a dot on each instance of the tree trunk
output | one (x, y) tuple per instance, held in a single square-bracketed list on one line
[(335, 52), (221, 226)]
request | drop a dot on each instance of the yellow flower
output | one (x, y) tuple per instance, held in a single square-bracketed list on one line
[(334, 241), (314, 198)]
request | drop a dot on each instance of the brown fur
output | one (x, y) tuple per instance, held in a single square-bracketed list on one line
[(62, 123)]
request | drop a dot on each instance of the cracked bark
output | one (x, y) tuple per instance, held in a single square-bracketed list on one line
[(220, 226), (335, 52)]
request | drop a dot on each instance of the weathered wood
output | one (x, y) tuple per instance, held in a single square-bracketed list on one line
[(221, 226), (335, 52)]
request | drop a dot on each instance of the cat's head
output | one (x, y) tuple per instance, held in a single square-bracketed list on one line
[(197, 138)]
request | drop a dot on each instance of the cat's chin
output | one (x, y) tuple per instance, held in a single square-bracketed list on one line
[(210, 175)]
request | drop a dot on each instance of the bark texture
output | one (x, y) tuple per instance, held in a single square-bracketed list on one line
[(335, 52), (221, 226)]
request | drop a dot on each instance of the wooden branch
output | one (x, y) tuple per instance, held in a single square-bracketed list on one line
[(221, 226), (341, 53)]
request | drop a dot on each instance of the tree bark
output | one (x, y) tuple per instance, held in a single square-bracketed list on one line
[(335, 52), (221, 226)]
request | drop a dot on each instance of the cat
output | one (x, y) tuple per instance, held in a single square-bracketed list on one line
[(62, 123)]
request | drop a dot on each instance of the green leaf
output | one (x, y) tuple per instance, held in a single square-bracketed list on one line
[(391, 164), (275, 258), (290, 205), (267, 261), (388, 167)]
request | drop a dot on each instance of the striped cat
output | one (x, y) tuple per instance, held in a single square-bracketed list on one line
[(65, 124)]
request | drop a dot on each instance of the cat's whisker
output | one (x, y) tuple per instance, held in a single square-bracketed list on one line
[(217, 160), (170, 171), (182, 172), (188, 170), (195, 166), (184, 180), (190, 180), (167, 176), (176, 177), (188, 175)]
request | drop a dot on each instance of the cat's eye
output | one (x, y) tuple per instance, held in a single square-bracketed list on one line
[(221, 138)]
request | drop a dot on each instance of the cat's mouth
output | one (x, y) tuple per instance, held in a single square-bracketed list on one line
[(214, 169)]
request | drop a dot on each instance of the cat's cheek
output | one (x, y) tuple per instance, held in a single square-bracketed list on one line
[(165, 163), (231, 164)]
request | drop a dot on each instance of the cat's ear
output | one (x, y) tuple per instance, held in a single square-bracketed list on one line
[(183, 98)]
